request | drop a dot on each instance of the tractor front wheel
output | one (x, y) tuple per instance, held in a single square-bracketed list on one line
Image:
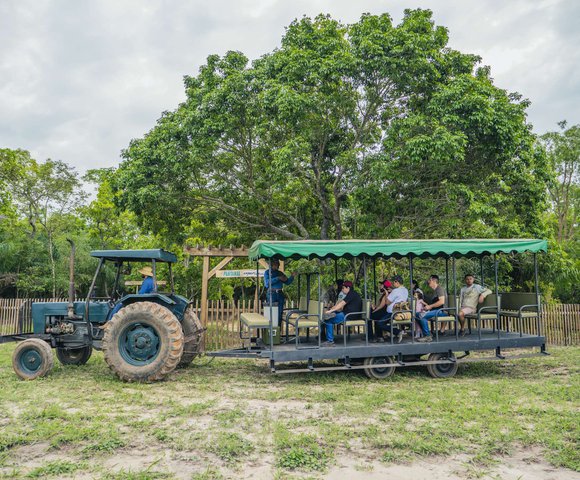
[(32, 359), (192, 331), (74, 356), (143, 342)]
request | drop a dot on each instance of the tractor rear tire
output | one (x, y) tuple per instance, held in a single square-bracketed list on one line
[(143, 342), (74, 356), (32, 359), (192, 331)]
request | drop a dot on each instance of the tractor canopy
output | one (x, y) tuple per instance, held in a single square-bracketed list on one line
[(157, 254)]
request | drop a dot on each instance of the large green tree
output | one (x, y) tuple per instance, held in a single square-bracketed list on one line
[(294, 145)]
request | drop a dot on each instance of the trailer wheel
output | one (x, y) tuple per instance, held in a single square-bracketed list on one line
[(74, 356), (441, 370), (143, 342), (192, 331), (378, 373), (32, 359)]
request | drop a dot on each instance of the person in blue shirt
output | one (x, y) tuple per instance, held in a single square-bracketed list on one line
[(148, 286), (279, 279)]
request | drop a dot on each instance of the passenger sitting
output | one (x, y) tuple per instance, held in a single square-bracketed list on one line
[(379, 311), (438, 302), (469, 297), (420, 305), (398, 295), (333, 294), (352, 302)]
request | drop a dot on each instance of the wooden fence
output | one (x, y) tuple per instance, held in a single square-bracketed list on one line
[(560, 323)]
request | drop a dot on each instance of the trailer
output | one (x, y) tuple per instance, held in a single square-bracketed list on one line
[(496, 326)]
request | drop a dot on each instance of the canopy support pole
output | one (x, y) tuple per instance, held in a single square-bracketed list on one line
[(271, 306), (447, 274), (412, 298), (374, 281), (365, 277), (481, 271), (497, 294), (320, 310), (257, 291), (537, 285), (455, 297)]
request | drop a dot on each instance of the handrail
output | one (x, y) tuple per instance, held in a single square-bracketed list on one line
[(411, 321), (305, 315), (437, 315), (364, 318)]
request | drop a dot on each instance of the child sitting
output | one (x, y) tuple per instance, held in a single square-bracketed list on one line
[(420, 305)]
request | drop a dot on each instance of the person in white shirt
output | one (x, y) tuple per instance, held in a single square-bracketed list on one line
[(469, 297), (398, 295)]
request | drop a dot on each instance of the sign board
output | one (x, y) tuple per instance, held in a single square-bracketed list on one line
[(239, 273)]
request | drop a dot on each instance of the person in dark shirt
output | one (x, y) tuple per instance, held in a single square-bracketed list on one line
[(351, 303), (438, 302)]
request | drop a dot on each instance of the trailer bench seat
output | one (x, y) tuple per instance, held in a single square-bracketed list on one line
[(308, 323), (516, 313), (254, 320), (356, 323), (308, 320), (483, 316)]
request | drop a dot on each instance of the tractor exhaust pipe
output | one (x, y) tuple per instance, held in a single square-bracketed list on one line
[(71, 284)]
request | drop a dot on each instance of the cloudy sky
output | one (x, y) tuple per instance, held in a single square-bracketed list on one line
[(79, 79)]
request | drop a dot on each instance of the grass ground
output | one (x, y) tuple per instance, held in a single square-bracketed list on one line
[(232, 419)]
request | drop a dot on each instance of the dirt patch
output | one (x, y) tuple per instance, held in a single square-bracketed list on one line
[(528, 465)]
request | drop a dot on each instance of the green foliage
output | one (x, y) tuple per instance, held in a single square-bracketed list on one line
[(230, 446), (300, 452), (563, 155), (57, 468), (311, 140)]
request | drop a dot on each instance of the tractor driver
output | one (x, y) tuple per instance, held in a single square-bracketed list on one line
[(148, 286)]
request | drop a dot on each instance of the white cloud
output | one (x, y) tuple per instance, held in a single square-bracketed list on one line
[(79, 80)]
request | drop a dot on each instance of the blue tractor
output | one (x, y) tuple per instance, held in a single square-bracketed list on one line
[(144, 336)]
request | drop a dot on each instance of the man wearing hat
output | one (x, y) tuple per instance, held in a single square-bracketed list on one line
[(147, 286), (352, 302)]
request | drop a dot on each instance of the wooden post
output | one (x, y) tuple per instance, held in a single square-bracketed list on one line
[(204, 280)]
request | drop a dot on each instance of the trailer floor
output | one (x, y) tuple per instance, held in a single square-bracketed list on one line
[(356, 347)]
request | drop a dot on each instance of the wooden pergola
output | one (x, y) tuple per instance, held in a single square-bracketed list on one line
[(227, 255)]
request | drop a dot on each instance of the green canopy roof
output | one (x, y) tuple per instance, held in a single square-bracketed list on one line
[(392, 248)]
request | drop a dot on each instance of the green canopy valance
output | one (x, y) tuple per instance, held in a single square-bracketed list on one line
[(392, 248)]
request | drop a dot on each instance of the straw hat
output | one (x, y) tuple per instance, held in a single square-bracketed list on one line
[(146, 271)]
